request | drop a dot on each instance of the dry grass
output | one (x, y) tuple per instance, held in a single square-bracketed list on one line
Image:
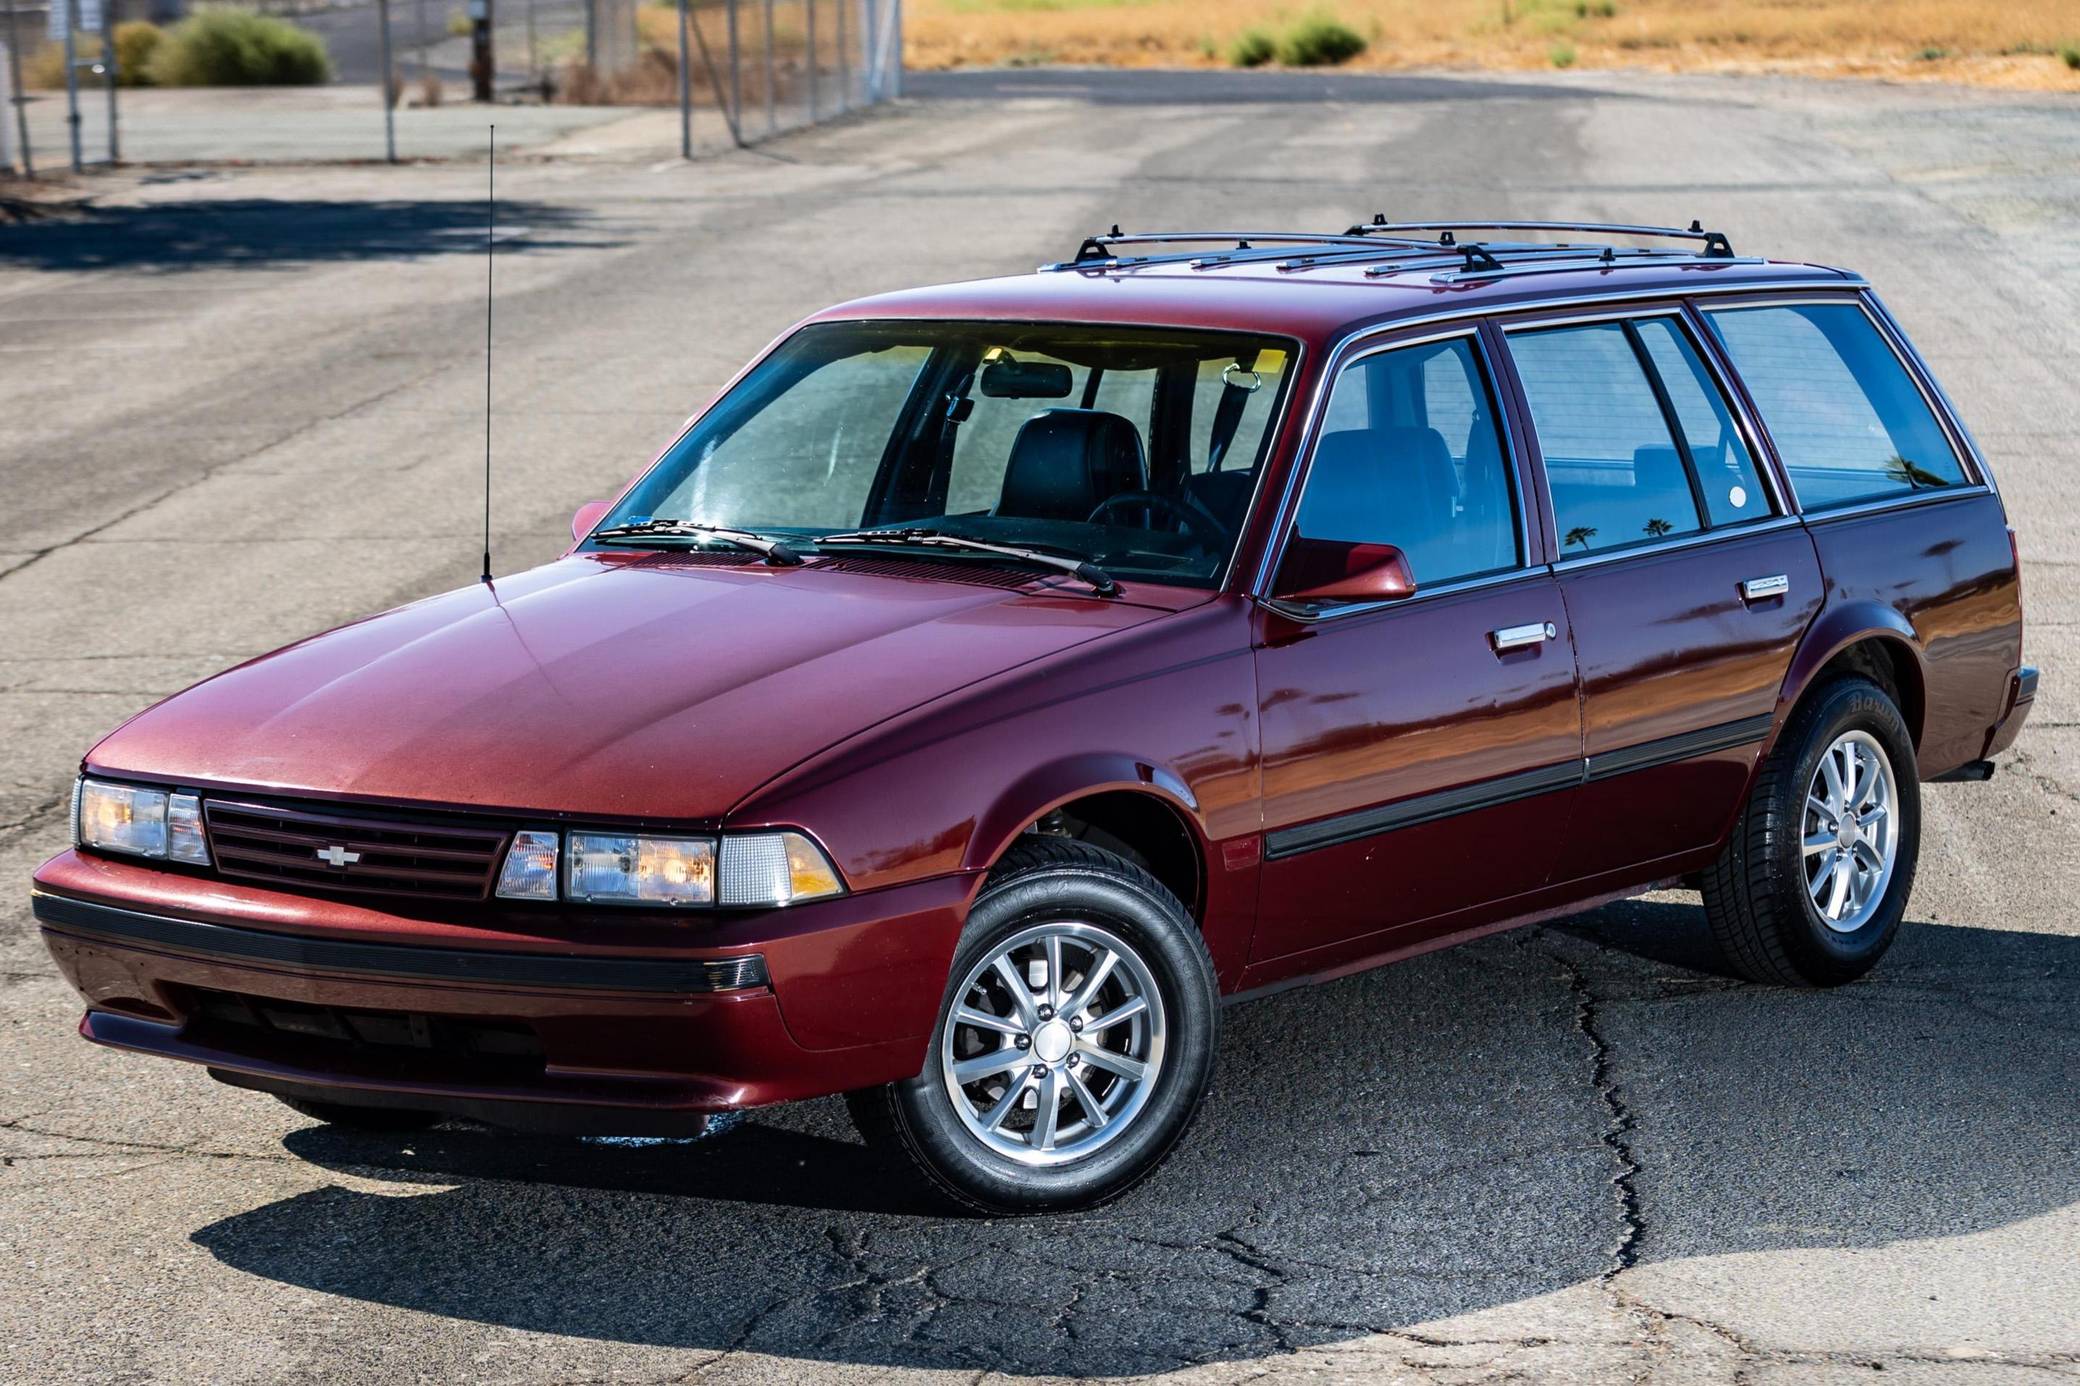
[(2014, 44)]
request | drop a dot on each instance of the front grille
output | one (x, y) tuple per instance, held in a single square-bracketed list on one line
[(376, 855)]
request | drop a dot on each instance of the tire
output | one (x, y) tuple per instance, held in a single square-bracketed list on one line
[(364, 1118), (975, 1142), (1759, 896)]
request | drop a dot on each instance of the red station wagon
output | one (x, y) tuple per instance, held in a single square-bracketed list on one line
[(996, 678)]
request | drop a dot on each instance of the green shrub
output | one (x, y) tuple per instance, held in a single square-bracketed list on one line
[(1596, 9), (1320, 40), (2070, 55), (1561, 54), (1933, 54), (216, 47), (136, 42), (1252, 48)]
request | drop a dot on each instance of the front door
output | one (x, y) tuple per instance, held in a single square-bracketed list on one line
[(1417, 752), (1687, 584)]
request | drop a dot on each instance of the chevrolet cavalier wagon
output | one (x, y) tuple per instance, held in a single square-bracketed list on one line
[(996, 678)]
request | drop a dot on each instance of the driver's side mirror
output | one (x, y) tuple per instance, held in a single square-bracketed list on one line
[(589, 514), (1314, 571)]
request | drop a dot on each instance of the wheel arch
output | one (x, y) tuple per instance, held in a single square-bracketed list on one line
[(1112, 800), (1867, 638)]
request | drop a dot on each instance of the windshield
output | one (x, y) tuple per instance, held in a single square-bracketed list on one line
[(1132, 448)]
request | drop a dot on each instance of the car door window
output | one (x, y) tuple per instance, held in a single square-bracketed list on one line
[(1612, 464), (1412, 458), (1725, 469), (1846, 417)]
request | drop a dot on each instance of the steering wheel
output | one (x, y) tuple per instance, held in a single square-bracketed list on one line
[(1196, 522)]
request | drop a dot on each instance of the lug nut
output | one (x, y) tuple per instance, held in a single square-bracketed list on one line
[(1024, 1041), (1039, 1070), (1074, 1060), (1076, 1024), (1047, 1013)]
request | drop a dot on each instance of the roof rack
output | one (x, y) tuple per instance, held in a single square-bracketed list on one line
[(1716, 244), (1396, 247)]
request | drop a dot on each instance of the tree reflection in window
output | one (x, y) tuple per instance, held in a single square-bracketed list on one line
[(1579, 535)]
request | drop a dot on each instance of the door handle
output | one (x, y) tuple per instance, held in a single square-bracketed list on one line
[(1756, 588), (1522, 637)]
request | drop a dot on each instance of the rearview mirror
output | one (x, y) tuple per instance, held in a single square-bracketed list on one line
[(589, 514), (1005, 378), (1370, 573)]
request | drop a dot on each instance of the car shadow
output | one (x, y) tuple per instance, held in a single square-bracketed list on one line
[(260, 232), (1447, 1135)]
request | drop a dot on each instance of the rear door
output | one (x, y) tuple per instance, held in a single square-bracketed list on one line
[(1686, 580), (1416, 752)]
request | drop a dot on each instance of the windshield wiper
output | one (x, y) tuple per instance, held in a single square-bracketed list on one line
[(1080, 568), (775, 551)]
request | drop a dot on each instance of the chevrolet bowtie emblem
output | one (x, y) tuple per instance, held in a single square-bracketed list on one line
[(337, 856)]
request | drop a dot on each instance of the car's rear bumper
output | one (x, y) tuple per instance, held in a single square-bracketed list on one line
[(775, 1007)]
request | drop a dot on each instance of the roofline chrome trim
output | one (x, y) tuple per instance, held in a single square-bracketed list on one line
[(1347, 344)]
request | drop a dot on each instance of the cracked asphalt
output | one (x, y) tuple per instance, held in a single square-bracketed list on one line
[(239, 406)]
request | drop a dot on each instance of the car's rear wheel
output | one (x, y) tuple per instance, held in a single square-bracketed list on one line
[(1811, 888), (364, 1118), (1074, 1043)]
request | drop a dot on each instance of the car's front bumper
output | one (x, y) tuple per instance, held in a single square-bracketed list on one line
[(328, 999)]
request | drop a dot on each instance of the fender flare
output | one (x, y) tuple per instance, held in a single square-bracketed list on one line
[(1047, 787), (1836, 629)]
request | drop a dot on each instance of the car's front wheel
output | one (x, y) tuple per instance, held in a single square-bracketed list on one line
[(1811, 888), (1074, 1043)]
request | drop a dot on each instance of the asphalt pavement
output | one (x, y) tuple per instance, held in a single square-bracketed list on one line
[(239, 406)]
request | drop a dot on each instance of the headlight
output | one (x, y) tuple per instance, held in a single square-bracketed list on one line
[(607, 868), (139, 822), (740, 870)]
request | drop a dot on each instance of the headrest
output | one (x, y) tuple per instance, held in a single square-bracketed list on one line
[(1064, 461)]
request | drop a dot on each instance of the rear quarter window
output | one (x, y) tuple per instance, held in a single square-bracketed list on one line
[(1846, 417)]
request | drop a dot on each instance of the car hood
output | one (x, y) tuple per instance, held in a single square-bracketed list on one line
[(606, 685)]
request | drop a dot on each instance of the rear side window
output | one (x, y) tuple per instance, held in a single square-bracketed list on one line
[(1725, 469), (1410, 456), (1845, 415), (1611, 462)]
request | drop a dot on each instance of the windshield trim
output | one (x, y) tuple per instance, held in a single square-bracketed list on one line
[(1223, 580)]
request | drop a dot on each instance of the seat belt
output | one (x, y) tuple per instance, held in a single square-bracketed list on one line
[(1227, 415)]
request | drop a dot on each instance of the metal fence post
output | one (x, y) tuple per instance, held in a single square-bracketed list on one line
[(736, 74), (815, 59), (108, 70), (17, 97), (71, 10), (772, 76), (895, 50), (844, 62), (685, 85), (387, 83)]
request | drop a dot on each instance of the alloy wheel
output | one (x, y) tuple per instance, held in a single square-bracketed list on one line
[(1851, 837), (1053, 1043)]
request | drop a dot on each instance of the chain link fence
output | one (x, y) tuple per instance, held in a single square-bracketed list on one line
[(404, 72)]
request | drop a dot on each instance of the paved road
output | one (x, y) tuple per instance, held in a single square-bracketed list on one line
[(246, 407)]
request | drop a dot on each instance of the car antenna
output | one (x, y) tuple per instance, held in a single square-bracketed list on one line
[(490, 235)]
